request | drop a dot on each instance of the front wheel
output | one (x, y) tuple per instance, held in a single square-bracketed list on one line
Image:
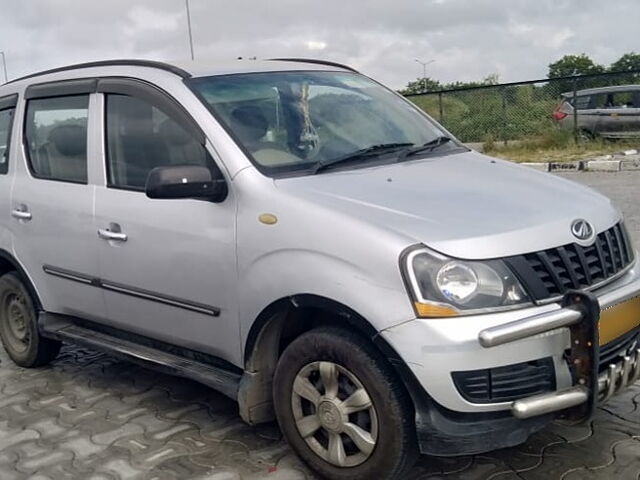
[(342, 409)]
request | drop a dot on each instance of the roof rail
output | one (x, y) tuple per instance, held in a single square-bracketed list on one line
[(315, 61), (107, 63)]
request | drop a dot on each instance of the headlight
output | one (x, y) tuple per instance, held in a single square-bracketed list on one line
[(442, 287)]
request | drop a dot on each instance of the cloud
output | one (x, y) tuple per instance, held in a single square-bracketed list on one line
[(467, 40)]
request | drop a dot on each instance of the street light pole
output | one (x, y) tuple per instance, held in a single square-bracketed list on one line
[(189, 26), (4, 67), (424, 72)]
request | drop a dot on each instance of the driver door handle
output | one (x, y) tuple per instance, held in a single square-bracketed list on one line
[(21, 213), (112, 233)]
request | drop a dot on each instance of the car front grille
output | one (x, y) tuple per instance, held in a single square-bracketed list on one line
[(508, 383), (614, 350), (551, 273)]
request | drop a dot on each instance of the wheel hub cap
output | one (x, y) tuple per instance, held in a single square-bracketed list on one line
[(334, 414), (330, 416)]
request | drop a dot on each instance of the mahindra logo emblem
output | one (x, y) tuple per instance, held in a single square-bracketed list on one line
[(581, 229)]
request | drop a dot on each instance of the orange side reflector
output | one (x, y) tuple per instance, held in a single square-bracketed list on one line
[(426, 310), (617, 320)]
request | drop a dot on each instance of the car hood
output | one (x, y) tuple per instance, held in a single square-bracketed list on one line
[(464, 205)]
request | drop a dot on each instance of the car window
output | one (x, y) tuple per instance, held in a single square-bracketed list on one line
[(615, 100), (288, 121), (56, 138), (6, 120), (583, 102), (141, 137)]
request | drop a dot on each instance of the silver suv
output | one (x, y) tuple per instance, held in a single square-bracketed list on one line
[(606, 112), (309, 243)]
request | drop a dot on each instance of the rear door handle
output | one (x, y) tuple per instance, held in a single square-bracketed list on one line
[(21, 213), (112, 233)]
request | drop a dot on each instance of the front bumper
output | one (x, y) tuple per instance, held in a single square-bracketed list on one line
[(580, 314), (435, 348)]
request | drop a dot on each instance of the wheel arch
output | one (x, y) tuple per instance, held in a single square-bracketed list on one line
[(8, 263), (277, 325), (290, 304)]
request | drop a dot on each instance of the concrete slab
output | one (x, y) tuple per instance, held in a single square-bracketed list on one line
[(542, 166), (602, 165), (565, 166), (630, 164)]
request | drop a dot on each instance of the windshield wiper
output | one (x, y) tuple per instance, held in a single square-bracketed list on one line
[(373, 150), (427, 147)]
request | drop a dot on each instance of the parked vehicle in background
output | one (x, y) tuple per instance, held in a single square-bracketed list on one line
[(317, 248), (606, 112)]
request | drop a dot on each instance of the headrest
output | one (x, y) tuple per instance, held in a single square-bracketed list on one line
[(69, 140), (249, 123)]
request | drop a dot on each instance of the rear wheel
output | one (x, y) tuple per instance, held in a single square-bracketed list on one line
[(585, 136), (342, 409), (18, 325)]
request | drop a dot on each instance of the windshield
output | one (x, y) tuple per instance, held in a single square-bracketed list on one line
[(295, 121)]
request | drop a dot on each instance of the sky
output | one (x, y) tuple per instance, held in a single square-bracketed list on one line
[(467, 40)]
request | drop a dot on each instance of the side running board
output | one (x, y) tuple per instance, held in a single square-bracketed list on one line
[(58, 327)]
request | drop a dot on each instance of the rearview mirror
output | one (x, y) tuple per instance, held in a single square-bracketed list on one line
[(185, 181)]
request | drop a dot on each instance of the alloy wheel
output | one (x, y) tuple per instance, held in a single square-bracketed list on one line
[(334, 414)]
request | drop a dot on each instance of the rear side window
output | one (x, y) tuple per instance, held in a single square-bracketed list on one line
[(615, 100), (6, 120), (56, 138), (582, 101), (141, 137)]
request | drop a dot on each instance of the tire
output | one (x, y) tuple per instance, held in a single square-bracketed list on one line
[(585, 136), (386, 444), (18, 325)]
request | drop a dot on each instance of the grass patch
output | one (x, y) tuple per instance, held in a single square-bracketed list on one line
[(555, 146)]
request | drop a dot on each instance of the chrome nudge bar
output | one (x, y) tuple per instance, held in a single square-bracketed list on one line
[(528, 327), (580, 313), (615, 379), (545, 322)]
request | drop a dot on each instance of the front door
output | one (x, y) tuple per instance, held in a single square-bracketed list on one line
[(168, 267)]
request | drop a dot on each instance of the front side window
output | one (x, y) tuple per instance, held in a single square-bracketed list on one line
[(288, 121), (141, 137), (6, 120), (56, 138)]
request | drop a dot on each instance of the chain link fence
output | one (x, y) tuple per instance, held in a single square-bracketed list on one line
[(539, 108)]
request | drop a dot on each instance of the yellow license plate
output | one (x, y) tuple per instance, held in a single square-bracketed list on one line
[(619, 319)]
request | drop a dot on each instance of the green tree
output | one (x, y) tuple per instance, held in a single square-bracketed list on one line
[(421, 85), (575, 65), (626, 63), (492, 79), (629, 62)]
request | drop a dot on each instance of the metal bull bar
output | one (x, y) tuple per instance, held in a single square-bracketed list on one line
[(580, 313)]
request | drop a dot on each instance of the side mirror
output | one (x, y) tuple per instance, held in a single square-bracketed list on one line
[(185, 181)]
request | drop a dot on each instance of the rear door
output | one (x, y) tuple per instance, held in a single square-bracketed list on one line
[(52, 199), (7, 114), (588, 117), (168, 267)]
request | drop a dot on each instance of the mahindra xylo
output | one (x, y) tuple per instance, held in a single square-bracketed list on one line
[(314, 246)]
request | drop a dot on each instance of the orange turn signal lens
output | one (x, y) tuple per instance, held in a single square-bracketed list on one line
[(427, 310)]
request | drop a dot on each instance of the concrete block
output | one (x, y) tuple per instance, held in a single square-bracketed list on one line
[(542, 166), (631, 164), (565, 166), (602, 165)]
